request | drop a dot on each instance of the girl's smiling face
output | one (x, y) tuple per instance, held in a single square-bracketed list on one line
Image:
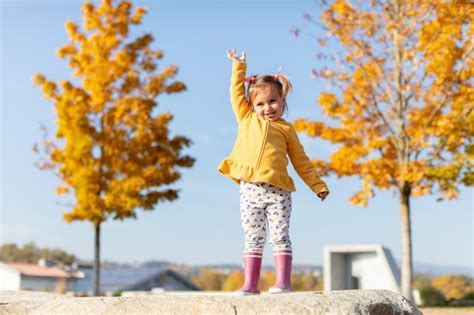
[(268, 103)]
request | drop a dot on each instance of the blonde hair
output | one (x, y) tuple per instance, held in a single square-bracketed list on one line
[(280, 81)]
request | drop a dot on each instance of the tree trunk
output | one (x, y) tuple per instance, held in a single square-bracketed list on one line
[(407, 262), (96, 267)]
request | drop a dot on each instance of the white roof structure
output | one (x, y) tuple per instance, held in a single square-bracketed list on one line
[(361, 266)]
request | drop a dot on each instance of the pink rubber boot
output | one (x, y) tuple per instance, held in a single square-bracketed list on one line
[(252, 265), (283, 273)]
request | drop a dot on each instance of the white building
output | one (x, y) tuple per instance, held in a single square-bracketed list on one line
[(22, 276), (348, 267)]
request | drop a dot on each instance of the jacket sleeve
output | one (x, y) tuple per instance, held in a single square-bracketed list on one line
[(240, 106), (303, 165)]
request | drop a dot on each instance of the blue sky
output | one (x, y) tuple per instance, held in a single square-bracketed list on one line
[(203, 225)]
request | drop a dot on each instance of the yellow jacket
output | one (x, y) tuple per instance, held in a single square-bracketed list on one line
[(260, 151)]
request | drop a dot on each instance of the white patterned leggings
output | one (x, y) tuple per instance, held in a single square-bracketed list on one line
[(262, 204)]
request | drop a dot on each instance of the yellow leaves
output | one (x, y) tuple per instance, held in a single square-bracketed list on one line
[(111, 41), (441, 39), (87, 8), (234, 281), (105, 7), (158, 54), (154, 86), (38, 79), (338, 134), (344, 21), (49, 89), (84, 212), (141, 42), (61, 190), (319, 129), (361, 198), (90, 17), (268, 279), (137, 17), (56, 155), (415, 172), (367, 23), (331, 106), (446, 176), (313, 129), (71, 29), (421, 190), (341, 7), (380, 172), (372, 71), (344, 160), (135, 183), (168, 72), (213, 280), (451, 194), (124, 7), (349, 58), (123, 60), (341, 19), (175, 87), (376, 142), (66, 85), (322, 167), (131, 82), (327, 99), (453, 286), (209, 279), (131, 110), (365, 77), (65, 51)]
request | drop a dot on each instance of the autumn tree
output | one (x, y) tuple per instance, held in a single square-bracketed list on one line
[(209, 279), (400, 100), (453, 287), (305, 282), (234, 281), (113, 152), (29, 253), (267, 280)]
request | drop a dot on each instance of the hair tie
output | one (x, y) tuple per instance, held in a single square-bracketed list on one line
[(278, 74), (250, 79)]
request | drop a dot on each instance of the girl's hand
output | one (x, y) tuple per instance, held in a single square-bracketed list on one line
[(233, 56), (323, 195)]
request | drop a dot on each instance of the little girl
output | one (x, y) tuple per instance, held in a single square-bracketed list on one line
[(258, 163)]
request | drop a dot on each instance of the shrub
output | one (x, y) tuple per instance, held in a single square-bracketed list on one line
[(432, 297), (468, 297)]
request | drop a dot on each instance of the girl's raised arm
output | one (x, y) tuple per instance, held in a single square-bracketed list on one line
[(232, 55), (240, 105)]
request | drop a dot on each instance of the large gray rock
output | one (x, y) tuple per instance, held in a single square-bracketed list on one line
[(375, 302)]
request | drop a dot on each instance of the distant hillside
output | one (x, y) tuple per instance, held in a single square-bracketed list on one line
[(419, 267), (436, 270)]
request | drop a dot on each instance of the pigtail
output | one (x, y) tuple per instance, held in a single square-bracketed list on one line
[(286, 85)]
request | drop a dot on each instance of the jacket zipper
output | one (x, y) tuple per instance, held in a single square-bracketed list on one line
[(263, 144)]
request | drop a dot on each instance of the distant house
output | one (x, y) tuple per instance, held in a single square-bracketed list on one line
[(131, 278), (168, 280), (37, 277)]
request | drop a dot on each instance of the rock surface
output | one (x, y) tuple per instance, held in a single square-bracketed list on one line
[(374, 302)]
